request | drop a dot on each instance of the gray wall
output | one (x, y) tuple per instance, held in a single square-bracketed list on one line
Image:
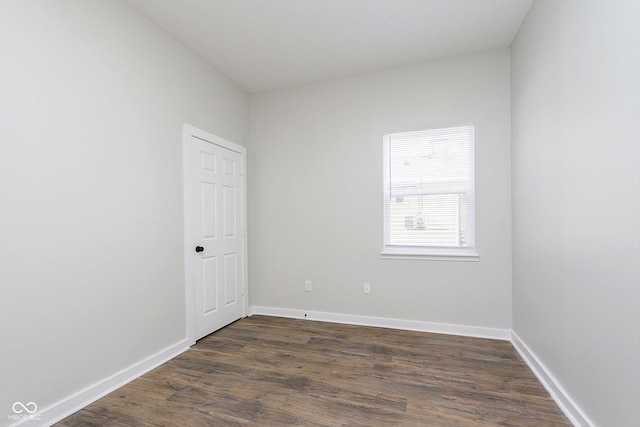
[(92, 102), (315, 201), (93, 98), (576, 162)]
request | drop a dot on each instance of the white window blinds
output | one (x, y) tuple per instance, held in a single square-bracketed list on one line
[(429, 200)]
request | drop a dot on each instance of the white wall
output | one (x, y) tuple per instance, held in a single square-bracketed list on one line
[(576, 162), (315, 202), (93, 98)]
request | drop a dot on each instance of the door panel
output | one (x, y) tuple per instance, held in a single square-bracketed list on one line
[(208, 219), (230, 214), (230, 279), (218, 268), (209, 284)]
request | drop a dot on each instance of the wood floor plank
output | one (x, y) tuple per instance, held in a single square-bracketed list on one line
[(268, 371)]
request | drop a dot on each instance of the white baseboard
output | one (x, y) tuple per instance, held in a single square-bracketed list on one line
[(557, 392), (383, 322), (79, 400)]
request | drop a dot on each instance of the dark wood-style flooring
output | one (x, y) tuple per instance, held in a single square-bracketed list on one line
[(269, 371)]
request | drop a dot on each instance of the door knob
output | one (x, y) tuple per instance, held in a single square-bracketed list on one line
[(199, 249)]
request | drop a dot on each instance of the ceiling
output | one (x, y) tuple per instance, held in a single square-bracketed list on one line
[(272, 44)]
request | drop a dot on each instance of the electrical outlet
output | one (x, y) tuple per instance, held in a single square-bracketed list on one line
[(367, 288), (307, 285)]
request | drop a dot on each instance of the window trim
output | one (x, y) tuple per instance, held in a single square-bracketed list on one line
[(424, 252), (428, 253)]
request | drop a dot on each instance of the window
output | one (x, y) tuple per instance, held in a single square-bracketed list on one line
[(428, 194)]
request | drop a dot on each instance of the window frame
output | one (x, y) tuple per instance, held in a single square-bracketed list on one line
[(390, 251)]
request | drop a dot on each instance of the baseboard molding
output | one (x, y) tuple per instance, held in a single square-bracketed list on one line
[(559, 395), (79, 400), (383, 322)]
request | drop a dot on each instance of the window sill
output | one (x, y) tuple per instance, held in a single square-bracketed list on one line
[(429, 255)]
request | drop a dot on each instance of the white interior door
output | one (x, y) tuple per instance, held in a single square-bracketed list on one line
[(218, 222)]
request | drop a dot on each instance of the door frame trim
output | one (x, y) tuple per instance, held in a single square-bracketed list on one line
[(187, 176)]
